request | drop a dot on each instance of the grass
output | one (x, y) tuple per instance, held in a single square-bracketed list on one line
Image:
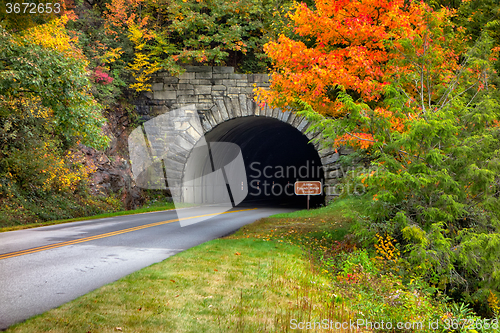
[(157, 206), (226, 285), (303, 266)]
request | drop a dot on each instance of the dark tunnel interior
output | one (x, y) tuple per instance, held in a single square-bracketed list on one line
[(275, 155)]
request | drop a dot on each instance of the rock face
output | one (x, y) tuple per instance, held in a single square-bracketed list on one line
[(112, 168)]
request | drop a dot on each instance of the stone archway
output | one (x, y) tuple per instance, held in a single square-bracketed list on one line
[(220, 95)]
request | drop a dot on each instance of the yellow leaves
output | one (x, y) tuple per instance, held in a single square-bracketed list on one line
[(112, 55), (53, 35), (494, 303), (142, 67), (386, 248)]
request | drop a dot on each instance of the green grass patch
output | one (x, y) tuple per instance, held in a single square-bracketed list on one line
[(157, 206), (226, 285)]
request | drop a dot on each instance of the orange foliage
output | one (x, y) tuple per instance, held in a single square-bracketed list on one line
[(357, 46), (350, 49)]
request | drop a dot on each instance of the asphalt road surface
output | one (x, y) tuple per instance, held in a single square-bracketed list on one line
[(44, 267)]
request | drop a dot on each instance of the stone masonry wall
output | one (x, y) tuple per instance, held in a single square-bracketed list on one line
[(219, 95), (199, 85)]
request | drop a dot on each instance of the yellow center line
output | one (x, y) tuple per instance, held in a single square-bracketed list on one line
[(108, 234)]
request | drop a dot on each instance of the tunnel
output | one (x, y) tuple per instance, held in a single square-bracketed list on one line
[(275, 156)]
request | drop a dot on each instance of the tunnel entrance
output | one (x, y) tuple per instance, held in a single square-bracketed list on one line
[(275, 155)]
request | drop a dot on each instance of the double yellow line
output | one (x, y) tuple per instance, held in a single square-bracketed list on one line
[(108, 234)]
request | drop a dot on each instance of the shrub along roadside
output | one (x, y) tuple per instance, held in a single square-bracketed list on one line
[(303, 266), (152, 207)]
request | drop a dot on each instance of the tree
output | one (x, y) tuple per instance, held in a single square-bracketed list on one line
[(45, 109), (423, 106)]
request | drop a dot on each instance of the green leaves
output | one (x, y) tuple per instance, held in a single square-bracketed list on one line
[(45, 84)]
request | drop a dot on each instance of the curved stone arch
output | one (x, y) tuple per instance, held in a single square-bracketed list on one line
[(220, 95), (225, 109)]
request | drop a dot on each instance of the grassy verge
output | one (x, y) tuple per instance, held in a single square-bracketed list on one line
[(157, 206), (226, 285), (267, 277)]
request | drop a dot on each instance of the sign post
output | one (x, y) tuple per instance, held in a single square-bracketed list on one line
[(308, 188)]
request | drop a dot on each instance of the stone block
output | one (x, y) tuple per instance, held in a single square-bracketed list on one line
[(291, 118), (223, 70), (204, 75), (258, 78), (218, 93), (303, 125), (204, 106), (162, 94), (198, 69), (258, 110), (330, 159), (187, 76), (210, 119), (219, 87), (185, 86), (281, 115), (251, 106), (205, 100), (222, 109), (346, 150), (276, 113), (157, 86), (185, 92), (312, 135), (157, 110), (217, 82), (183, 143), (286, 115), (233, 90), (235, 103), (241, 83), (243, 105), (171, 164), (298, 119), (206, 125), (247, 90), (183, 99), (269, 111), (202, 90), (239, 77), (170, 86), (229, 83), (170, 79), (214, 110), (229, 108), (220, 76), (198, 82)]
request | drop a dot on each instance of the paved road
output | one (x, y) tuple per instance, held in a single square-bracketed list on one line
[(42, 268)]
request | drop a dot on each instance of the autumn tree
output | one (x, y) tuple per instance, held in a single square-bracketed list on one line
[(46, 109), (164, 35), (401, 83)]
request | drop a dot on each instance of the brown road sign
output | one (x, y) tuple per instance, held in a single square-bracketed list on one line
[(308, 188)]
